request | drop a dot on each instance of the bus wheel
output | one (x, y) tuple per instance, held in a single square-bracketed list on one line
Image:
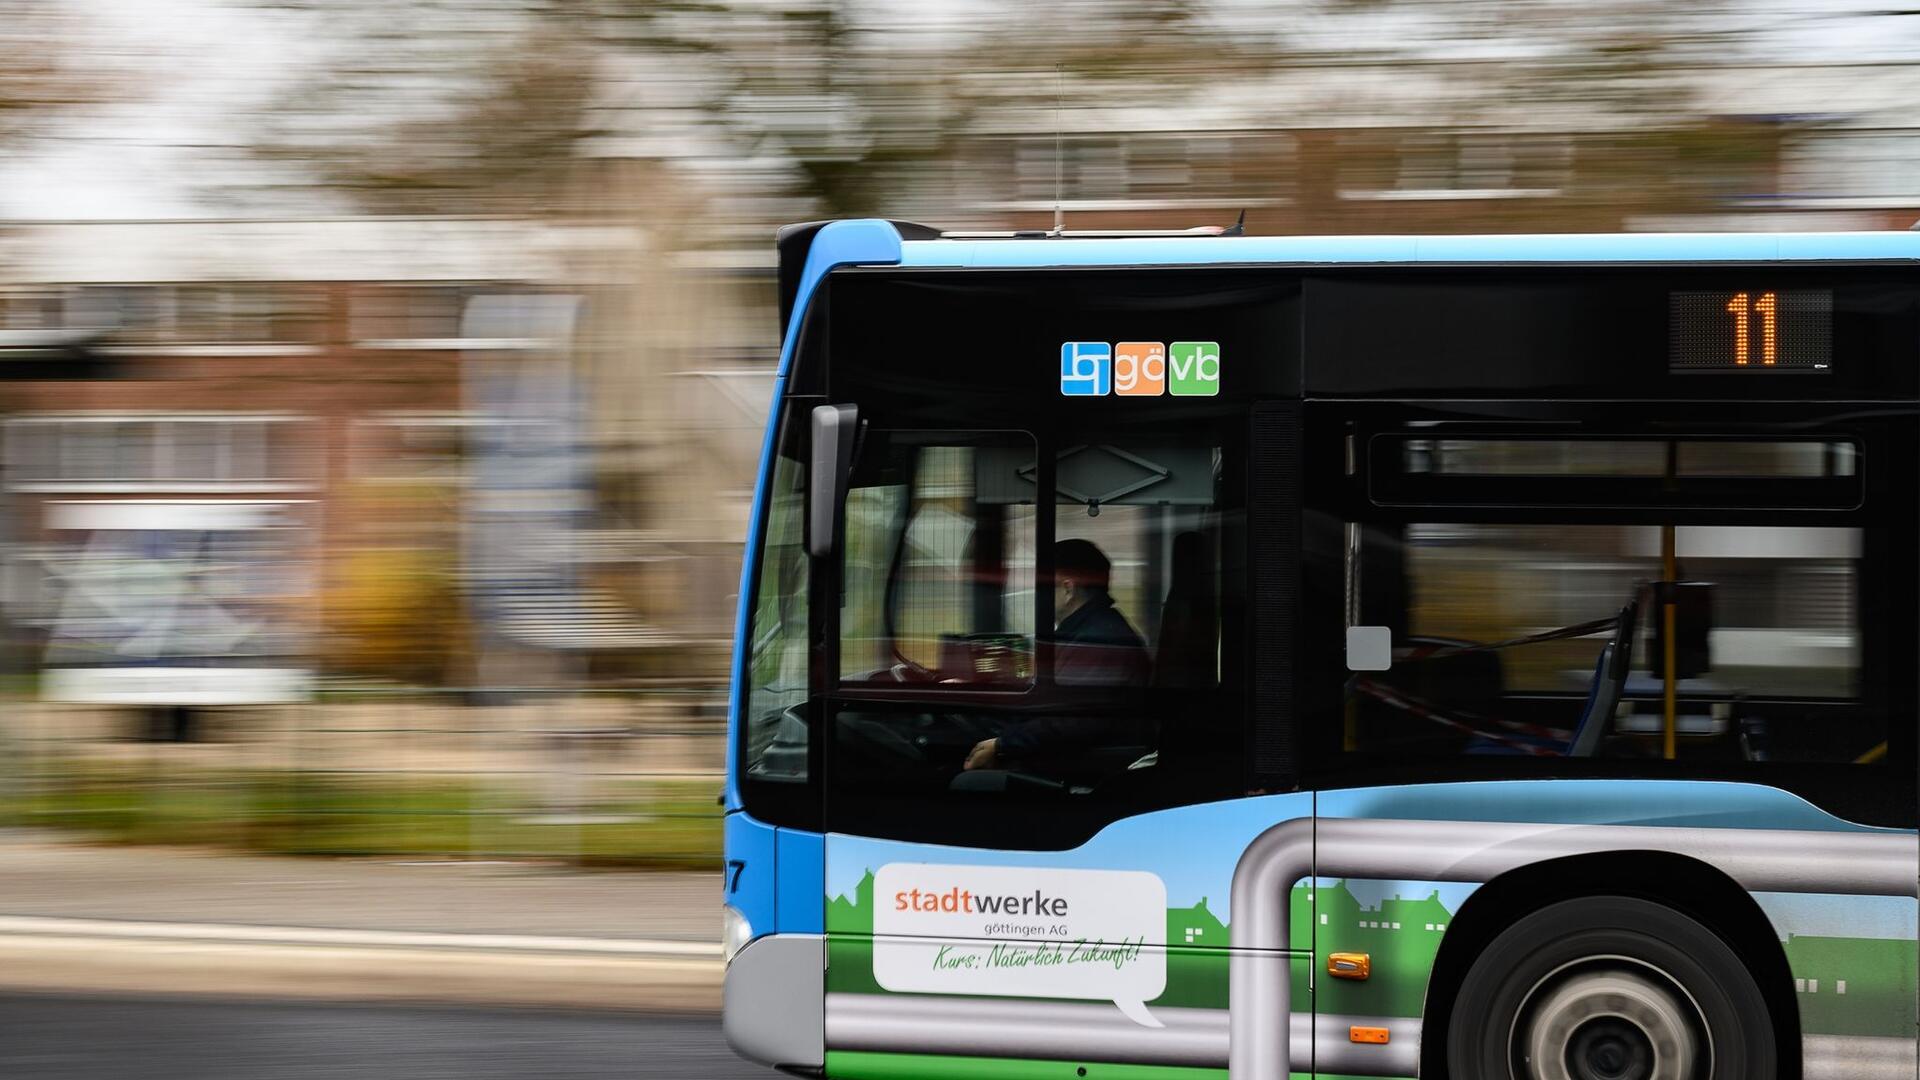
[(1609, 988)]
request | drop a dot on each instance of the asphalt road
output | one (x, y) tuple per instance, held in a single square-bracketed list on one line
[(95, 1038)]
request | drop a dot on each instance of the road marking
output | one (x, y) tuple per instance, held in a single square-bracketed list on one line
[(312, 935)]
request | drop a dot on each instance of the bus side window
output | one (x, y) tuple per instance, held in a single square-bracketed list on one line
[(1546, 636), (1509, 627)]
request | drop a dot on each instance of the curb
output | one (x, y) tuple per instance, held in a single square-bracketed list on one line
[(101, 955)]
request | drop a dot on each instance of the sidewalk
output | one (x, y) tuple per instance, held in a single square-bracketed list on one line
[(156, 920)]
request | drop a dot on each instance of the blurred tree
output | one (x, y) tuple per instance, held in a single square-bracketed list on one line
[(436, 106), (865, 106), (1136, 48), (1625, 83), (45, 65), (856, 116), (451, 105)]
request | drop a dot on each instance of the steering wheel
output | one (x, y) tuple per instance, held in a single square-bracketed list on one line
[(907, 671)]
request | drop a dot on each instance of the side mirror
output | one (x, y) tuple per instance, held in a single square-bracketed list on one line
[(834, 428)]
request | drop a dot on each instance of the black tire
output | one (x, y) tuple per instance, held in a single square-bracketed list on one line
[(1609, 988)]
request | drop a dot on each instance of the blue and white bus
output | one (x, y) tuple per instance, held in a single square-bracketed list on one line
[(1246, 657)]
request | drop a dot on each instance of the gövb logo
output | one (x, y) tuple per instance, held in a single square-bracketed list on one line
[(1139, 369)]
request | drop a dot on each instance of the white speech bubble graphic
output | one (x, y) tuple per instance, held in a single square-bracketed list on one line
[(1095, 935)]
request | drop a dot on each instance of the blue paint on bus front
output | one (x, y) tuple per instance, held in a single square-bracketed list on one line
[(775, 877)]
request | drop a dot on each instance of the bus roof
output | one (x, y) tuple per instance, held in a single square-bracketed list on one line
[(1416, 250), (811, 250)]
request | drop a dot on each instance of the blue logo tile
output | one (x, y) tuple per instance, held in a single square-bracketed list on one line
[(1086, 368)]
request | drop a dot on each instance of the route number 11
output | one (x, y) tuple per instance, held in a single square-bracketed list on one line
[(1743, 307)]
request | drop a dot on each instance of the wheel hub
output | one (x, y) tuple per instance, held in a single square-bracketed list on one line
[(1611, 1024), (1609, 1048)]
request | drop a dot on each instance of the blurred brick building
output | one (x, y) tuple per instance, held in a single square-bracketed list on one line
[(346, 377)]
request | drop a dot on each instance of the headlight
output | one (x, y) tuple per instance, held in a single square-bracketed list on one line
[(735, 932)]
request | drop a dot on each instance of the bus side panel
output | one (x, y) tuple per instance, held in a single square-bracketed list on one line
[(1121, 953), (752, 877), (803, 862), (1852, 954)]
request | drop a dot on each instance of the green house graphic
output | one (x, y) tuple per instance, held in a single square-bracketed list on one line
[(1195, 926)]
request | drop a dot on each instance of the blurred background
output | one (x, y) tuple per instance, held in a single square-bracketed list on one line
[(383, 385)]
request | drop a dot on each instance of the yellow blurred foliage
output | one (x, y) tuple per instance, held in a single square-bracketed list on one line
[(392, 605), (394, 613)]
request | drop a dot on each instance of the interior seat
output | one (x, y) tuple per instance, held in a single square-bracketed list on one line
[(1609, 685), (1603, 697)]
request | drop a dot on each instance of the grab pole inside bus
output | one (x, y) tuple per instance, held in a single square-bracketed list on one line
[(1668, 607)]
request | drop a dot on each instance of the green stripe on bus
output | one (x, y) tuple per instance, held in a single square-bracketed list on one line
[(855, 1065)]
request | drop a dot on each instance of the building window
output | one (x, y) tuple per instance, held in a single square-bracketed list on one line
[(62, 307), (213, 313), (1149, 169), (413, 447), (408, 312), (179, 452), (1434, 165), (441, 316)]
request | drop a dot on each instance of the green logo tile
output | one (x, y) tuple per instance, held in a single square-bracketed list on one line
[(1193, 369)]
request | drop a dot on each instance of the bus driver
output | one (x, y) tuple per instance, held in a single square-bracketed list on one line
[(1093, 645)]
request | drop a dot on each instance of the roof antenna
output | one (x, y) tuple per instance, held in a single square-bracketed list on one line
[(1059, 158), (1239, 226)]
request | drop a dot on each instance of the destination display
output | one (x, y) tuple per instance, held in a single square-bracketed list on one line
[(1759, 329)]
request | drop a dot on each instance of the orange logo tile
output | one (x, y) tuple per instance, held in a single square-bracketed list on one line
[(1140, 368)]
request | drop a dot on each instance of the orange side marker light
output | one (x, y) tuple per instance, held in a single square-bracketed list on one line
[(1349, 965), (1367, 1035)]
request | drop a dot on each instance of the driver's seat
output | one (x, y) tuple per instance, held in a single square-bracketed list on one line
[(1603, 697)]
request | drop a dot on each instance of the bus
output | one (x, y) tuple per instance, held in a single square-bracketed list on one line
[(1196, 656)]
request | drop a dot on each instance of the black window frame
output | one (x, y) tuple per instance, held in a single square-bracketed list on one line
[(1341, 434), (1390, 485)]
